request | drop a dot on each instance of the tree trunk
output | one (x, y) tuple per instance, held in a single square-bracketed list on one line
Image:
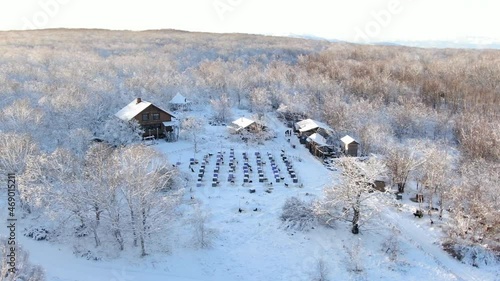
[(96, 226), (96, 237), (440, 204), (401, 187), (143, 248), (134, 232), (355, 220), (97, 214), (118, 236), (117, 233), (143, 234)]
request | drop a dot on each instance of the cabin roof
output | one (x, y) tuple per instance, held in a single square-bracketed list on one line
[(134, 108), (348, 139), (317, 138), (310, 124), (243, 122)]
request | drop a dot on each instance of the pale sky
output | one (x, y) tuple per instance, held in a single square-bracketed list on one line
[(349, 20)]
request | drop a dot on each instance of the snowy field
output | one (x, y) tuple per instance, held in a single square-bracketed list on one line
[(250, 242)]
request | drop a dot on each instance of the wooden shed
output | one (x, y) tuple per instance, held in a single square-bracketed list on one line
[(379, 185), (349, 146), (318, 146), (241, 124)]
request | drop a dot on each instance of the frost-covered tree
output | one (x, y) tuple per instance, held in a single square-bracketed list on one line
[(45, 174), (78, 141), (374, 137), (112, 193), (259, 101), (474, 206), (15, 149), (351, 198), (73, 184), (100, 191), (222, 108), (21, 116), (118, 132), (193, 126), (401, 160), (410, 118), (478, 136), (298, 214), (435, 175), (145, 184), (391, 246), (203, 234)]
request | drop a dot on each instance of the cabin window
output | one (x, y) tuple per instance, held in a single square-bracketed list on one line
[(145, 117), (156, 116)]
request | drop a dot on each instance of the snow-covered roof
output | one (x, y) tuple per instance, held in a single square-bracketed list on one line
[(135, 107), (309, 124), (317, 138), (172, 123), (179, 99), (348, 139), (243, 122), (132, 109)]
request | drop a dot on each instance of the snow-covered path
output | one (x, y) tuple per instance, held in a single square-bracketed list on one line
[(420, 238)]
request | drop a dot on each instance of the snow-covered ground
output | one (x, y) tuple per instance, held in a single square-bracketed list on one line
[(254, 244)]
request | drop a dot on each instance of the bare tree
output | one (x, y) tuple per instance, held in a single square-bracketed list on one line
[(478, 136), (15, 149), (259, 101), (203, 234), (298, 214), (222, 108), (78, 141), (354, 260), (84, 187), (48, 176), (474, 206), (391, 245), (146, 176), (103, 180), (435, 175), (349, 199), (70, 184), (401, 160), (374, 137), (21, 117), (193, 126)]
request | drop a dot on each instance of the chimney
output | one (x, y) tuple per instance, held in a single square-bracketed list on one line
[(138, 100)]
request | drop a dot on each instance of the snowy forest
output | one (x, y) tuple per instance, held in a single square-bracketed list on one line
[(431, 114)]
